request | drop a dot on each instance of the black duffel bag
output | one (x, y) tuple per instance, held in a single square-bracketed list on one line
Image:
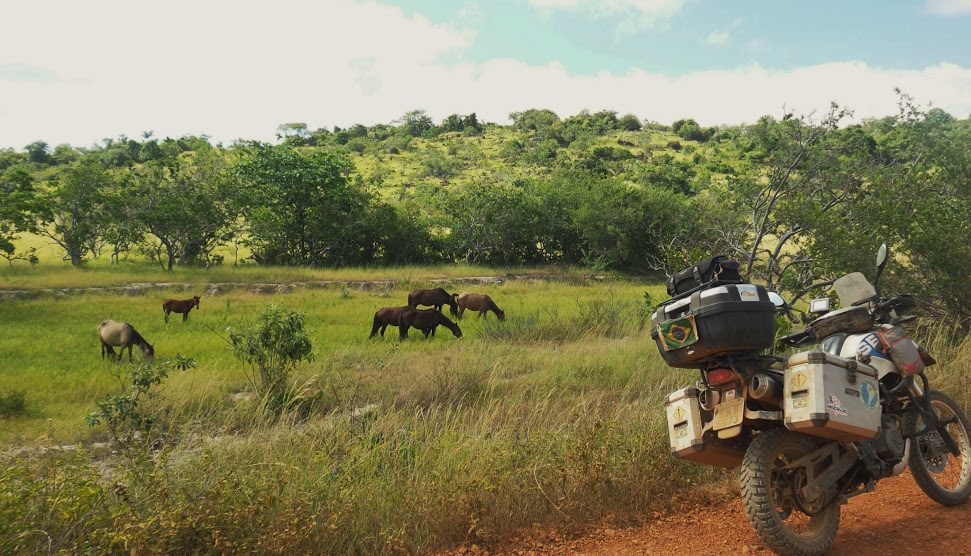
[(713, 269)]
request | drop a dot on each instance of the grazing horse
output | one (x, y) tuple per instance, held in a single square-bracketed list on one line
[(384, 317), (436, 298), (425, 320), (122, 334), (478, 302), (180, 306)]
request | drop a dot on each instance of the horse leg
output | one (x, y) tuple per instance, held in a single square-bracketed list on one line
[(185, 316), (166, 315)]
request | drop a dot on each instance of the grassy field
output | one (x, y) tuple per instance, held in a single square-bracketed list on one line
[(553, 416)]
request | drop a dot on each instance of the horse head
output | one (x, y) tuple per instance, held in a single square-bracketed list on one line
[(195, 301)]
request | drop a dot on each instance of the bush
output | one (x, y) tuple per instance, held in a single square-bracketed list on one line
[(13, 403), (271, 348)]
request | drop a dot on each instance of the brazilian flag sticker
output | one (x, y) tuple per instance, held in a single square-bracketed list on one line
[(678, 333)]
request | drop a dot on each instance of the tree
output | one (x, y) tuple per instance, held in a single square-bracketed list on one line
[(77, 206), (20, 211), (295, 134), (38, 152), (188, 205), (303, 208), (415, 123), (629, 122), (533, 119)]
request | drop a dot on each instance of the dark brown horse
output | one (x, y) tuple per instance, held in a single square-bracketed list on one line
[(436, 298), (182, 306), (478, 302), (425, 320), (123, 335), (384, 317)]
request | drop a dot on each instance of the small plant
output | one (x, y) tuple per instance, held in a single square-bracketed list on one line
[(13, 403), (130, 420), (271, 348)]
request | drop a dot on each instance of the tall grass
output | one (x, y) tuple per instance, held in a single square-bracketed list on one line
[(553, 416)]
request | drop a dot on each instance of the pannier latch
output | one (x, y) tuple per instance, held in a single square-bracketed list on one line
[(851, 367)]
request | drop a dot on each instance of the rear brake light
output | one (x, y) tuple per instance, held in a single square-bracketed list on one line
[(720, 376)]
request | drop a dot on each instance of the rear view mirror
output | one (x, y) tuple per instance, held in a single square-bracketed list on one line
[(776, 299), (819, 305)]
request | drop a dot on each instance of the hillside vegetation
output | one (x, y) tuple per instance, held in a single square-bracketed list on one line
[(552, 416), (797, 199)]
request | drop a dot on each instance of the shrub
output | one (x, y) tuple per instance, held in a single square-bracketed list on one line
[(271, 348), (130, 421), (13, 403)]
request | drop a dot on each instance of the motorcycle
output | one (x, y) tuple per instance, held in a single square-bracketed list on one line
[(814, 429)]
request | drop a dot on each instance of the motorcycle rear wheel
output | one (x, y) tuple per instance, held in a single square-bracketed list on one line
[(770, 495), (944, 477)]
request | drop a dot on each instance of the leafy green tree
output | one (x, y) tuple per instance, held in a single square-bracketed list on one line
[(629, 122), (189, 206), (9, 157), (534, 119), (295, 134), (38, 152), (20, 211), (303, 208), (416, 122), (64, 154), (77, 206)]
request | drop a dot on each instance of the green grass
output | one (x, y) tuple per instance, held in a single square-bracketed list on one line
[(553, 416), (55, 354), (413, 446)]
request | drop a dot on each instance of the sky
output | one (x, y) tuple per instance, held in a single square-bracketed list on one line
[(79, 72)]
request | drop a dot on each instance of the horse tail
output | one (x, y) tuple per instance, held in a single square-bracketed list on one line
[(376, 325)]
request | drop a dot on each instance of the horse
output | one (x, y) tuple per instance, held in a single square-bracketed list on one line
[(478, 302), (180, 306), (384, 317), (425, 320), (122, 334), (436, 298)]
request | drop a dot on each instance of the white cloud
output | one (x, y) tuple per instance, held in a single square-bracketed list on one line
[(238, 69), (647, 11), (948, 7), (718, 38)]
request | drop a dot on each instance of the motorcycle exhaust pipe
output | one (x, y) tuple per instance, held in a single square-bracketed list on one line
[(766, 388), (708, 399)]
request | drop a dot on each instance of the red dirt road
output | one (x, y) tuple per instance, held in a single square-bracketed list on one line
[(896, 519)]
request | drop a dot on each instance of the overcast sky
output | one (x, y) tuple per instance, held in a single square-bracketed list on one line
[(79, 71)]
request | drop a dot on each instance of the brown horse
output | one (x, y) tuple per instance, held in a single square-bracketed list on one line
[(436, 298), (425, 320), (182, 306), (478, 302), (122, 334), (384, 317)]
